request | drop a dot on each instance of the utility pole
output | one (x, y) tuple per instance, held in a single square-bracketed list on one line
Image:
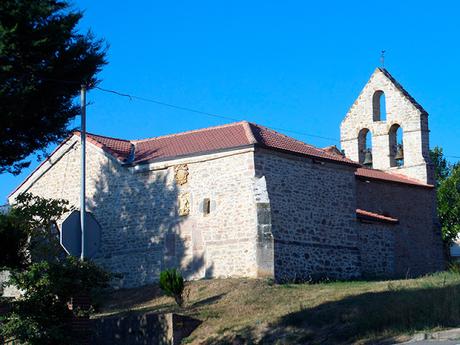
[(83, 170)]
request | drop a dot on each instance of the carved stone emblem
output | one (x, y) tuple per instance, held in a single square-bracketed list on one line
[(184, 204), (181, 173)]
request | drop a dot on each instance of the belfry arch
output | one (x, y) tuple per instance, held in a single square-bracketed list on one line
[(399, 127), (364, 144), (379, 107), (396, 145)]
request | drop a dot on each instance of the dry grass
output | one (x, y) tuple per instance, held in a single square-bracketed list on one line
[(250, 311)]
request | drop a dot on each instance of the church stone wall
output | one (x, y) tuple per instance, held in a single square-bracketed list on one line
[(313, 217), (416, 240), (142, 231), (271, 214), (377, 249)]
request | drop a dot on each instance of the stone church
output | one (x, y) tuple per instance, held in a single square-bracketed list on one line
[(244, 200)]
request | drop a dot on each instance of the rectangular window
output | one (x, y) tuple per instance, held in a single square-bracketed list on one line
[(206, 206)]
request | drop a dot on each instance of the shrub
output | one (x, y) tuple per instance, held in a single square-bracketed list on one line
[(454, 267), (172, 283), (41, 316)]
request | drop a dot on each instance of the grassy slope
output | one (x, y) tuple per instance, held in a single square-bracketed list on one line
[(246, 311)]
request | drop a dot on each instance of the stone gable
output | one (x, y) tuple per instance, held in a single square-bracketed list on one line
[(402, 111)]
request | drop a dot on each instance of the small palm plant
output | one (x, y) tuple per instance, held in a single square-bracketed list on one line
[(172, 283)]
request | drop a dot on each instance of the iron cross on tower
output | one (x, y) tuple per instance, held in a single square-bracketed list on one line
[(382, 58)]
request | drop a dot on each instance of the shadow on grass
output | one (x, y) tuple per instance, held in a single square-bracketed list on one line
[(209, 300), (368, 317), (126, 298)]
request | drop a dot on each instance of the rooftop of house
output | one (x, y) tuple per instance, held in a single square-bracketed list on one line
[(211, 139), (233, 135), (225, 137)]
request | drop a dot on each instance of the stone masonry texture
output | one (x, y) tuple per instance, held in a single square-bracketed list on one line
[(142, 232), (401, 110), (259, 212), (313, 217), (415, 242), (272, 214)]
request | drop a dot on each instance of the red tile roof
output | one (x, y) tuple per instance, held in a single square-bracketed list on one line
[(210, 139), (367, 215), (233, 135), (271, 139), (119, 148), (374, 174), (198, 141)]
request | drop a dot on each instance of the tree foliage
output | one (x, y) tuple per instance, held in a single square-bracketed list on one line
[(43, 62), (29, 231), (13, 243), (41, 316), (448, 194), (441, 166), (47, 278), (449, 205)]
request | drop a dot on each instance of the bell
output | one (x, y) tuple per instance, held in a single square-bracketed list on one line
[(368, 158), (399, 157)]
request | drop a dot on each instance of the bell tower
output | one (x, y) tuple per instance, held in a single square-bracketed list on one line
[(387, 129)]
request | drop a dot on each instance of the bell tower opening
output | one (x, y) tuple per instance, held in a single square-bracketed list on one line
[(396, 146), (399, 128), (379, 107), (365, 147)]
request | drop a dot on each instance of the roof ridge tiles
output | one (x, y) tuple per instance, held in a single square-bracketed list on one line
[(284, 135), (249, 133), (136, 141), (77, 132)]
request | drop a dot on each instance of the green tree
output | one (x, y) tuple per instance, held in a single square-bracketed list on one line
[(13, 243), (29, 232), (441, 166), (41, 316), (30, 250), (43, 61), (448, 196)]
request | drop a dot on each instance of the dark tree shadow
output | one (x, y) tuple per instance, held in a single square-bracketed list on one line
[(142, 231), (142, 234), (208, 301), (375, 316)]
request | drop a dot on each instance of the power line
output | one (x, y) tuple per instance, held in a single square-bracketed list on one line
[(150, 100)]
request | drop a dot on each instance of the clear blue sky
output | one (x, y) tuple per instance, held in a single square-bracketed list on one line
[(290, 64)]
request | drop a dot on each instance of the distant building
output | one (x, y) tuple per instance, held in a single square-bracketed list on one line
[(243, 200)]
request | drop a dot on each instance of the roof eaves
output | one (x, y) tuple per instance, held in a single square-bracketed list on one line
[(189, 155), (90, 138), (311, 156), (388, 180), (375, 217)]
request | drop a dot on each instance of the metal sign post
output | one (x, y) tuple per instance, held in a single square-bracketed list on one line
[(70, 235), (83, 171)]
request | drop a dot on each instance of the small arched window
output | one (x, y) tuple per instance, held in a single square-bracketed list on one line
[(379, 107), (396, 145), (365, 146)]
